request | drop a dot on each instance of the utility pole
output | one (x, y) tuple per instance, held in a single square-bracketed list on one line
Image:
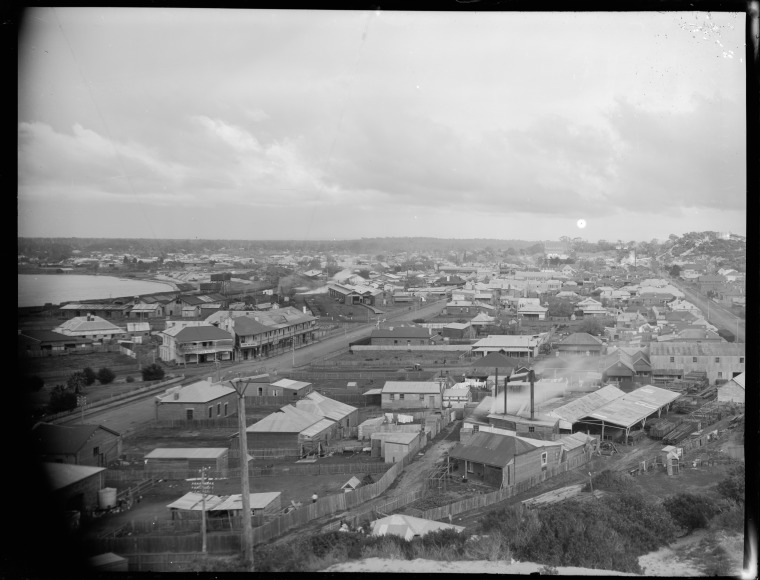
[(240, 386), (82, 401), (202, 489)]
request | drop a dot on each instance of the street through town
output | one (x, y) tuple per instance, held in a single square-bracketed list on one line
[(139, 413)]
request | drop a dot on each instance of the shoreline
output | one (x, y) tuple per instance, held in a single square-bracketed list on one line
[(117, 276)]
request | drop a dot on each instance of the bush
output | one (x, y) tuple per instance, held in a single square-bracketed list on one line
[(731, 518), (153, 372), (89, 376), (690, 511), (76, 382), (733, 487), (614, 481), (106, 376), (62, 399), (130, 379)]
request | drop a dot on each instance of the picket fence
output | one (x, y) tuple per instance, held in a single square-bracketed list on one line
[(459, 507)]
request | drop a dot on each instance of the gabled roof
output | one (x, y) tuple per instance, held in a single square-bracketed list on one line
[(62, 475), (64, 439), (401, 332), (580, 339), (201, 333), (632, 407), (290, 420), (420, 387), (87, 324), (506, 341), (739, 380), (52, 336), (246, 325), (587, 404), (187, 453), (199, 392), (317, 404), (290, 384), (490, 449), (676, 348)]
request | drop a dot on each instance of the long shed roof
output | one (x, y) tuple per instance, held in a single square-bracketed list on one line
[(632, 407), (587, 404)]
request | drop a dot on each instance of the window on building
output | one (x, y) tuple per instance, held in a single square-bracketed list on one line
[(693, 359), (672, 359), (189, 414), (544, 458), (422, 397), (717, 359), (720, 375), (218, 409), (531, 429), (401, 397), (225, 409), (741, 360), (210, 412), (95, 451), (393, 397)]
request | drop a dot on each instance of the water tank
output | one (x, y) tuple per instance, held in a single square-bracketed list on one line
[(107, 498)]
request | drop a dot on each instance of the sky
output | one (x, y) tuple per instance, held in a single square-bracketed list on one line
[(311, 125)]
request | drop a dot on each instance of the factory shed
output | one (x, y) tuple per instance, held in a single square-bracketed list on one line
[(623, 413), (570, 413)]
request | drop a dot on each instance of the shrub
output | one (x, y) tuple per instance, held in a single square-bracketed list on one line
[(349, 544), (690, 511), (106, 376), (76, 382), (548, 571), (731, 518), (61, 399), (153, 372), (89, 376), (733, 487), (614, 481), (130, 379)]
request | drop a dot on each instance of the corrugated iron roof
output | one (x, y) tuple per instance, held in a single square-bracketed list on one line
[(587, 404), (198, 392), (259, 501), (87, 324), (317, 404), (490, 449), (413, 387), (62, 475), (64, 439), (290, 384), (632, 407), (187, 453), (676, 348), (201, 333)]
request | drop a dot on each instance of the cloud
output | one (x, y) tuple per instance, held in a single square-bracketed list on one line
[(670, 160)]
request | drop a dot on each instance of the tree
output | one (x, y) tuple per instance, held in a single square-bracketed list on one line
[(76, 382), (153, 372), (675, 271), (89, 376), (61, 399), (106, 376), (733, 487), (591, 326)]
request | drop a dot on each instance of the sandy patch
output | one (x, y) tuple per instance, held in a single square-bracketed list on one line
[(686, 556), (461, 567)]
